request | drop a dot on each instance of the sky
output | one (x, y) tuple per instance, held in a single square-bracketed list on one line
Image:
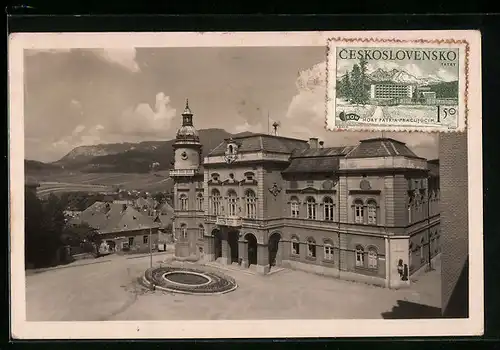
[(84, 97)]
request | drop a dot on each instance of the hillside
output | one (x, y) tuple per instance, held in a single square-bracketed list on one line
[(133, 157), (34, 166)]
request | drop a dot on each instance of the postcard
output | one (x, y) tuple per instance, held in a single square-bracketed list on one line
[(245, 185)]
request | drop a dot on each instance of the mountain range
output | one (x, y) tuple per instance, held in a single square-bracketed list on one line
[(127, 157), (400, 76)]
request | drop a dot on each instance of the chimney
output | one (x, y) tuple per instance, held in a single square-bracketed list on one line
[(313, 142), (321, 143)]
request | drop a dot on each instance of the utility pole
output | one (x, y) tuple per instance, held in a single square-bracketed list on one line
[(268, 122), (150, 248)]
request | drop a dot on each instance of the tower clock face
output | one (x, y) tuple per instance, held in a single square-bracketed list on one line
[(184, 156)]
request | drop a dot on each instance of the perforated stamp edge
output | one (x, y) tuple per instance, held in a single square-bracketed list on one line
[(330, 118)]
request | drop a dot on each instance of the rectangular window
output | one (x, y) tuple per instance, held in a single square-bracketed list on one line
[(145, 239), (295, 210), (372, 215), (295, 248), (360, 259), (131, 241), (328, 252), (311, 211), (372, 260), (358, 214)]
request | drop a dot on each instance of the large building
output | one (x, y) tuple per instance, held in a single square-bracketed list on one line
[(368, 212)]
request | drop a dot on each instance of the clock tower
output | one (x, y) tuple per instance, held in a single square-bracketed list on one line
[(188, 189)]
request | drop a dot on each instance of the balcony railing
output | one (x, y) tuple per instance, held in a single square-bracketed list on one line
[(230, 221), (183, 172)]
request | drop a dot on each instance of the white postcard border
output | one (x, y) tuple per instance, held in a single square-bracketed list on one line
[(22, 329)]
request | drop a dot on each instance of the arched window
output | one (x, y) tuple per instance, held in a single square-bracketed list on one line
[(295, 246), (360, 256), (294, 206), (311, 208), (328, 250), (215, 202), (232, 201), (183, 231), (372, 212), (328, 208), (372, 258), (199, 201), (358, 211), (251, 204), (201, 231), (183, 199), (311, 248)]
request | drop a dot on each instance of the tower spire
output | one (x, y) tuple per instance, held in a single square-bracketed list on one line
[(187, 115)]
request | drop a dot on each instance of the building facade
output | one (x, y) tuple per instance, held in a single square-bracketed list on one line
[(391, 90), (368, 212)]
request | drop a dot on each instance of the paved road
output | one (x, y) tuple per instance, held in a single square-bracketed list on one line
[(110, 291)]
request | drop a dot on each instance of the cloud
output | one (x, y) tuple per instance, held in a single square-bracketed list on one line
[(256, 128), (446, 75), (143, 120), (123, 57), (78, 129)]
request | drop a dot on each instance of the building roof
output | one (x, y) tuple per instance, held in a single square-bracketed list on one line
[(115, 217), (164, 220), (316, 160), (145, 202), (165, 209), (313, 165), (381, 147), (262, 143)]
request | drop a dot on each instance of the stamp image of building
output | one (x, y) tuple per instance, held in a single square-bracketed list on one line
[(390, 90), (367, 212)]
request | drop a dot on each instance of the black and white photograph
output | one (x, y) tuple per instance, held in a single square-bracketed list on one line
[(191, 180)]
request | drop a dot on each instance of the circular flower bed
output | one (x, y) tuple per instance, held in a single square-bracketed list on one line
[(188, 280)]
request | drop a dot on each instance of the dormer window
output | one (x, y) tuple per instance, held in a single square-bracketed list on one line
[(249, 176), (231, 152), (215, 177)]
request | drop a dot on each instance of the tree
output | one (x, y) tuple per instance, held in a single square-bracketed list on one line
[(363, 92), (345, 86), (356, 85), (44, 223), (160, 197)]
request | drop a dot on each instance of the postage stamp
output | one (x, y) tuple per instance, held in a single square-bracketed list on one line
[(397, 85)]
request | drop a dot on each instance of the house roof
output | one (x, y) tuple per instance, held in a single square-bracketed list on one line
[(262, 143), (164, 220), (148, 202), (165, 209), (115, 217), (381, 147), (316, 160)]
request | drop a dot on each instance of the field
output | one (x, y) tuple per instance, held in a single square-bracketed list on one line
[(101, 182)]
